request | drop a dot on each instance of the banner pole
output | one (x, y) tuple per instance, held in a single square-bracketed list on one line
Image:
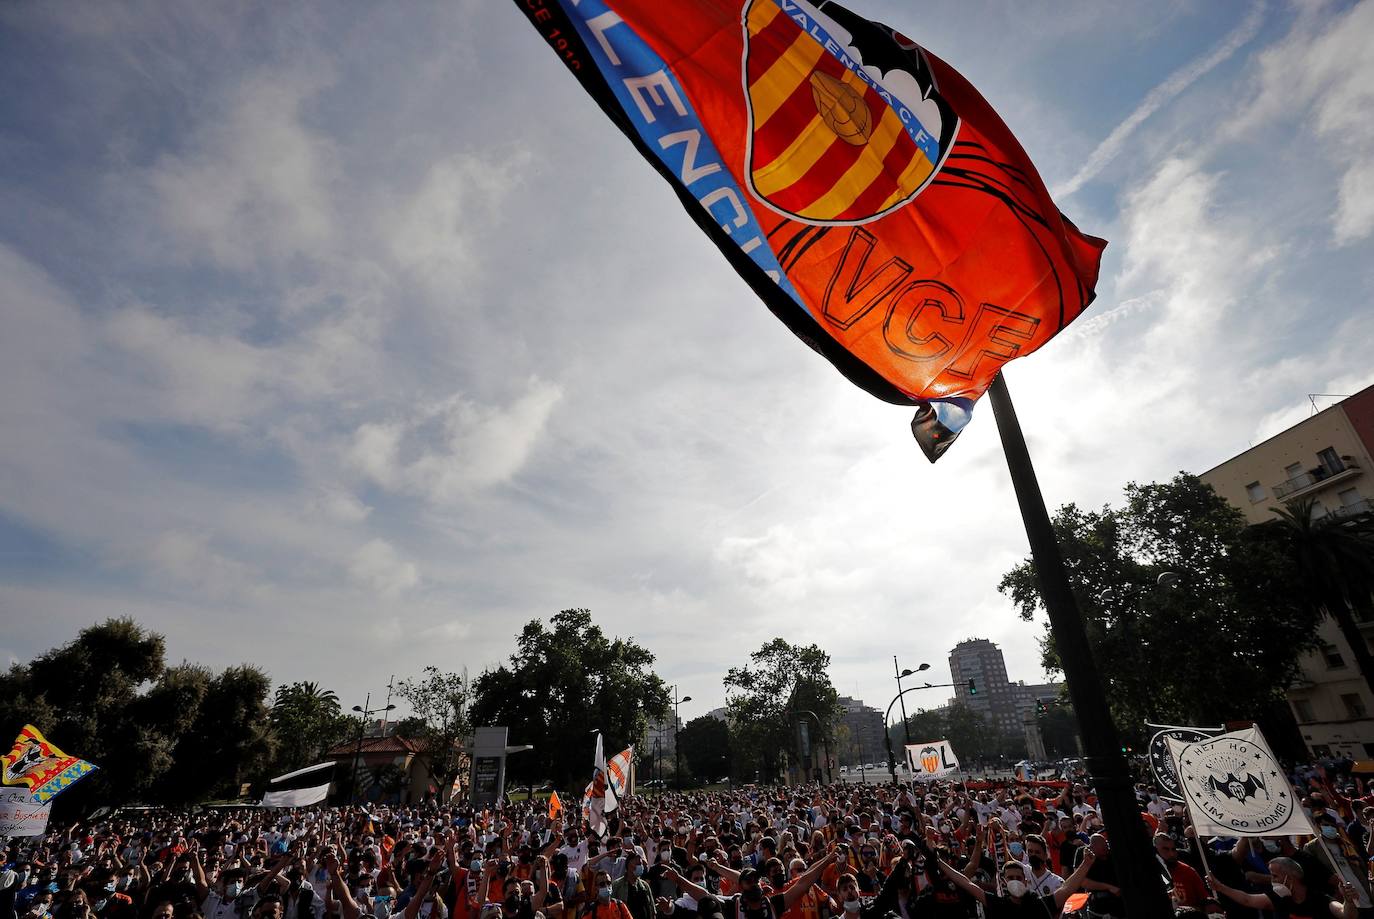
[(1133, 853)]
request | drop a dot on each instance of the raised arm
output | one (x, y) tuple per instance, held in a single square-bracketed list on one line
[(1075, 880), (959, 878), (1252, 900), (804, 883)]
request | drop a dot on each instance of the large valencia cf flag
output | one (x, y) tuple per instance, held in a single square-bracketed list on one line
[(865, 190)]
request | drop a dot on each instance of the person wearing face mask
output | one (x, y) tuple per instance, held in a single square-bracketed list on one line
[(1039, 878), (632, 890), (1290, 897), (603, 904), (1018, 902), (229, 899)]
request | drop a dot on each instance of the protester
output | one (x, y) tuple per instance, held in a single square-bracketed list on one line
[(917, 851)]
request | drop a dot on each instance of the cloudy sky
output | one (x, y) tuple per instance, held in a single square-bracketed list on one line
[(346, 338)]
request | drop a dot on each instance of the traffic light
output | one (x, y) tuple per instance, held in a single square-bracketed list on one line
[(1040, 707), (972, 688)]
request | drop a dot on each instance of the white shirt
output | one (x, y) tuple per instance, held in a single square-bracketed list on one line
[(1040, 885), (577, 855), (217, 907)]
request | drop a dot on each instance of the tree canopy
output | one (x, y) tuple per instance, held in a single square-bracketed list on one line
[(1193, 617), (565, 678), (440, 722), (768, 698)]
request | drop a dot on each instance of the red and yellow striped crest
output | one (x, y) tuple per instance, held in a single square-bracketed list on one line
[(831, 141)]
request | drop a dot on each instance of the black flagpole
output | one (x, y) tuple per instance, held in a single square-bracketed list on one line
[(1133, 854)]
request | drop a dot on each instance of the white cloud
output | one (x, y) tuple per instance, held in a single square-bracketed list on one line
[(379, 567), (253, 185), (1319, 83), (1161, 95), (449, 449)]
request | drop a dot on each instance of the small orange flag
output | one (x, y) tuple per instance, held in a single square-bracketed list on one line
[(555, 806)]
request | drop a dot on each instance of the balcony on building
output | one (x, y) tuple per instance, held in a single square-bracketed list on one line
[(1353, 509), (1327, 472)]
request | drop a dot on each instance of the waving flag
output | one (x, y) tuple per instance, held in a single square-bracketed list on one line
[(40, 767), (555, 806), (1233, 785), (862, 187), (618, 776), (594, 801)]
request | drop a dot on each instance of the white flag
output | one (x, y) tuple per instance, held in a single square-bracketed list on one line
[(1234, 786), (930, 761), (596, 792)]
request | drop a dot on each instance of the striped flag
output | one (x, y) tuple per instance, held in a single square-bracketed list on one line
[(618, 777)]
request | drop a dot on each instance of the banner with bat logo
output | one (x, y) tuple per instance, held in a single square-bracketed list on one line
[(930, 761), (1233, 785), (1162, 763), (40, 767)]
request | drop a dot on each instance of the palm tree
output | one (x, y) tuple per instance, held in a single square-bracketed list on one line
[(1334, 558)]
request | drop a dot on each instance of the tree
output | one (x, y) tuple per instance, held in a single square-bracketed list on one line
[(1059, 731), (306, 721), (1334, 561), (565, 679), (229, 742), (704, 744), (439, 702), (771, 696), (1192, 618)]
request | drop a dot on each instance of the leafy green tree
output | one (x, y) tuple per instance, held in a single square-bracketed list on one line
[(440, 723), (1334, 561), (966, 730), (1193, 618), (306, 721), (766, 700), (704, 744), (229, 742), (565, 679)]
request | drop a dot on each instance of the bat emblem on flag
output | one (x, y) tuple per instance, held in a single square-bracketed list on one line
[(1235, 788), (846, 123)]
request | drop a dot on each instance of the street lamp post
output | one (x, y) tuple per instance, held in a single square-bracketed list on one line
[(364, 714), (906, 730), (825, 740), (677, 729)]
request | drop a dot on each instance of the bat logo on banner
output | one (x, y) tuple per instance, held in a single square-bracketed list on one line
[(1236, 789), (31, 757), (846, 123)]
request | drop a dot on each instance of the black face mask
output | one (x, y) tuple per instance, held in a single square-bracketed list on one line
[(1036, 862)]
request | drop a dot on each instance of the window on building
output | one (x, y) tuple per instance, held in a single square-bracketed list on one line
[(1354, 705), (1320, 749), (1256, 492), (1330, 459), (1349, 497), (1369, 749), (1303, 710), (1333, 657), (1293, 470)]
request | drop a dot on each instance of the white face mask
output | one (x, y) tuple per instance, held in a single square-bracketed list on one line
[(1016, 888), (851, 906), (1281, 891)]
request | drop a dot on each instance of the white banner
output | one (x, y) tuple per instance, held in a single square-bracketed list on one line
[(296, 797), (930, 761), (20, 816), (1234, 786)]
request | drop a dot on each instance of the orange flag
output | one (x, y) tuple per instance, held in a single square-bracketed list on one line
[(863, 188), (555, 806)]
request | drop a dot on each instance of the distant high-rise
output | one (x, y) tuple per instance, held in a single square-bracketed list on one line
[(996, 699), (865, 723)]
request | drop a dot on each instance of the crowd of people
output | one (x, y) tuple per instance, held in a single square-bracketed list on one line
[(909, 850)]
